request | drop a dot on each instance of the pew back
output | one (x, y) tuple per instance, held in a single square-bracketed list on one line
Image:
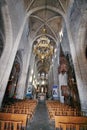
[(10, 125), (67, 122), (14, 117)]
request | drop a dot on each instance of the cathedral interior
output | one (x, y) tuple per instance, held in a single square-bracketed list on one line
[(43, 60)]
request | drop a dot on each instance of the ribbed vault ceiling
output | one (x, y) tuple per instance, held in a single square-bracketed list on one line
[(45, 14)]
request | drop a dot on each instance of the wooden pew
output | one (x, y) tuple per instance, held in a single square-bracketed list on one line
[(71, 122), (21, 118), (60, 109), (10, 125), (22, 107)]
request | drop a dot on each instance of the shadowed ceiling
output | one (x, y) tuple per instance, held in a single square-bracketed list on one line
[(45, 21)]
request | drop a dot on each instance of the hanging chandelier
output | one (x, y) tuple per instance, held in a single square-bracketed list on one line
[(43, 48)]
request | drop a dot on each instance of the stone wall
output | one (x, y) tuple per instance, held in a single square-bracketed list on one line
[(75, 16), (17, 14), (78, 23)]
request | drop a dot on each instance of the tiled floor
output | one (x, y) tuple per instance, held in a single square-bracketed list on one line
[(40, 120)]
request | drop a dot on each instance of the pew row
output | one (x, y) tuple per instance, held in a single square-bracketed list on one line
[(56, 108), (9, 121), (70, 122), (22, 107), (10, 125)]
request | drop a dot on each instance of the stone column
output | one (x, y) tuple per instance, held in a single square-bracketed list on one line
[(62, 81), (31, 72), (81, 67), (8, 64), (21, 88), (80, 63), (50, 80), (55, 70)]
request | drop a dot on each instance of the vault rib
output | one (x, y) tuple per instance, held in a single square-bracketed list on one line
[(61, 5)]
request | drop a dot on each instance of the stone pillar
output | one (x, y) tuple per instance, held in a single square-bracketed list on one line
[(62, 81), (62, 70), (21, 88), (6, 52), (55, 70), (7, 65), (32, 71), (81, 67), (32, 66), (79, 61), (50, 80)]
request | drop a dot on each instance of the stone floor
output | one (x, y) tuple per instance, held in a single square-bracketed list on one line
[(40, 120)]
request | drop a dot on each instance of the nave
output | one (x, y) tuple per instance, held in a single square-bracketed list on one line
[(25, 115), (41, 115), (41, 120), (43, 56)]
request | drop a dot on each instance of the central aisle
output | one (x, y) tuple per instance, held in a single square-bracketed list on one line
[(40, 120)]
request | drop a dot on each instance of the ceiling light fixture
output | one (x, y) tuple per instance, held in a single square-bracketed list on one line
[(43, 48)]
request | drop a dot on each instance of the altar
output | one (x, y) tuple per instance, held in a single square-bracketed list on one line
[(41, 96)]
